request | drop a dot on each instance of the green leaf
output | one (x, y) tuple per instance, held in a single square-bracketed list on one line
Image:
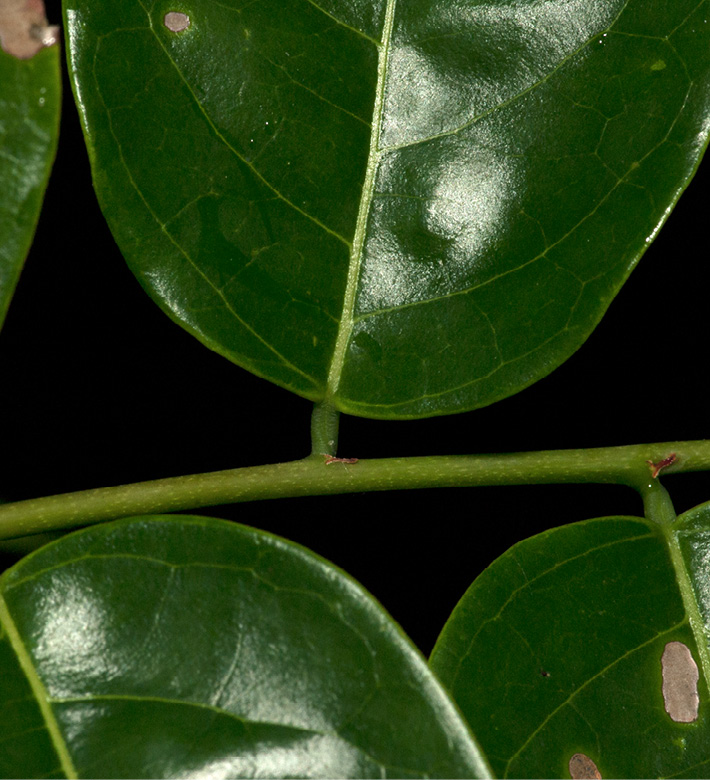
[(30, 96), (192, 647), (556, 649), (402, 208)]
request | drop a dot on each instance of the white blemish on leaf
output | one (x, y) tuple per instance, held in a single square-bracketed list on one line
[(24, 29), (680, 683), (582, 767), (176, 21)]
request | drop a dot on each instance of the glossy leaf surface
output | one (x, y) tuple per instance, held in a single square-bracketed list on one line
[(29, 129), (405, 208), (556, 649), (192, 647)]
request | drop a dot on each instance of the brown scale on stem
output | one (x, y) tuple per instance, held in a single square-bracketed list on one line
[(656, 468), (332, 459)]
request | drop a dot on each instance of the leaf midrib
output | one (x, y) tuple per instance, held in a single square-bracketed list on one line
[(689, 598), (38, 690), (347, 319)]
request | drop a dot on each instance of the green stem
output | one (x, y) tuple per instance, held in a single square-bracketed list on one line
[(324, 429), (657, 504), (313, 476)]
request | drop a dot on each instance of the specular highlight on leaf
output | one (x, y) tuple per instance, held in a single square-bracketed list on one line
[(184, 646), (404, 209)]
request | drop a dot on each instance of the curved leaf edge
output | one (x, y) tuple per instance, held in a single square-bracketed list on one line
[(677, 540), (411, 409), (48, 58), (387, 624), (447, 628), (576, 343)]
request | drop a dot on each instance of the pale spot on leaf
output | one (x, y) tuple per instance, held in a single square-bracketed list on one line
[(176, 21), (582, 767), (24, 29), (680, 683)]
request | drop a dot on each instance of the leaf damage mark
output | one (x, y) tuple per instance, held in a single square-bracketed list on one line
[(24, 29), (176, 21), (680, 683), (582, 767)]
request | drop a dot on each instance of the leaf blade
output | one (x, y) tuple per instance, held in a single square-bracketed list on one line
[(587, 611), (212, 648), (374, 267), (30, 95)]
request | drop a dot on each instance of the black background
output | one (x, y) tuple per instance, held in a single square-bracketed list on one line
[(99, 388)]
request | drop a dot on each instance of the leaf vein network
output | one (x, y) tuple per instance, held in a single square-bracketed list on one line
[(226, 303), (315, 5), (7, 737), (588, 682), (686, 771), (10, 585), (509, 101), (342, 23), (317, 94), (243, 159), (88, 699), (217, 711), (529, 582), (541, 256)]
